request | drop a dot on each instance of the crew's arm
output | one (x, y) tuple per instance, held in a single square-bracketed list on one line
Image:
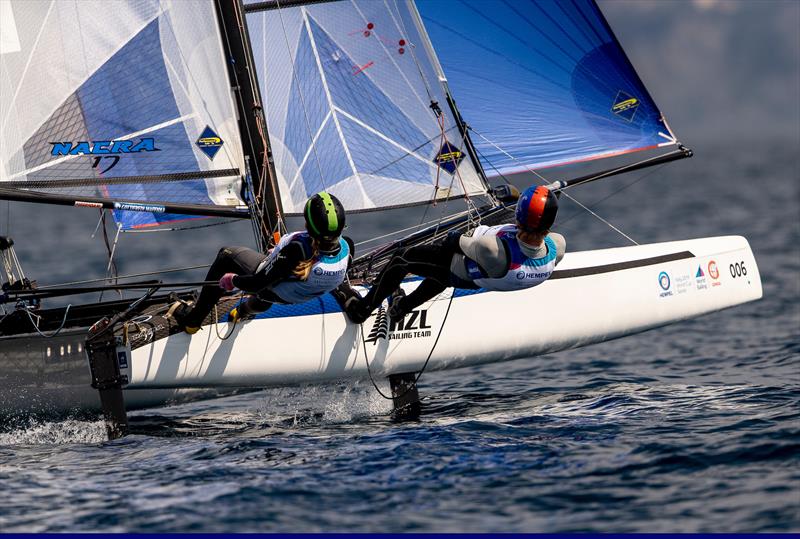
[(561, 245), (489, 252), (282, 267)]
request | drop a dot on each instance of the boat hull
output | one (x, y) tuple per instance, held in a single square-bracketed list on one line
[(594, 296)]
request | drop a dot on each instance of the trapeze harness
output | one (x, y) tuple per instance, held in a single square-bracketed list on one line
[(327, 272), (523, 272)]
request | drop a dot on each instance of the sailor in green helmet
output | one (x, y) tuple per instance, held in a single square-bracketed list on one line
[(302, 266)]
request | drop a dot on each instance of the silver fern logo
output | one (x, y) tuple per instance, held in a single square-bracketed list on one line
[(380, 328)]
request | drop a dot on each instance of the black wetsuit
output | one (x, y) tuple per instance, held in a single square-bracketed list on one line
[(429, 261), (244, 262)]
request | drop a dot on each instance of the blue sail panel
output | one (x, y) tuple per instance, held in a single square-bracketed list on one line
[(543, 81)]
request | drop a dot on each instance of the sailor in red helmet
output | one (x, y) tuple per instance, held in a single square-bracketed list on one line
[(500, 258)]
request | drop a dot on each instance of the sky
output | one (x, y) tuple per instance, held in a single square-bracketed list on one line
[(718, 69)]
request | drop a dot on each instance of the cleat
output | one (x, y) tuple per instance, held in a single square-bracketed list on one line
[(233, 316)]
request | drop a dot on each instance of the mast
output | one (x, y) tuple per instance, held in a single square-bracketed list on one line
[(252, 125)]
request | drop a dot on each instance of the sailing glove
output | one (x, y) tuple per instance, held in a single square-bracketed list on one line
[(226, 282)]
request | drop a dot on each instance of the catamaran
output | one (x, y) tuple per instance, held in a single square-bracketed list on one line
[(166, 112)]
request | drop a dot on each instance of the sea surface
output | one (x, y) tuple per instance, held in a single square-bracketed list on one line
[(694, 427)]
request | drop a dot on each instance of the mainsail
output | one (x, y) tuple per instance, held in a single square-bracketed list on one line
[(543, 83), (118, 104), (351, 95)]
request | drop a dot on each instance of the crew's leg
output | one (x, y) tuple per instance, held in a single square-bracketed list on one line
[(429, 261), (239, 260)]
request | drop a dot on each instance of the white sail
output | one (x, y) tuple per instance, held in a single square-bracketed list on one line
[(79, 75), (347, 88)]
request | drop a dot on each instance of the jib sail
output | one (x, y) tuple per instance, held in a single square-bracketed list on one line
[(351, 97), (546, 81), (118, 104)]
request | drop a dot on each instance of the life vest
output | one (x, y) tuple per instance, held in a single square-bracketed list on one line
[(523, 272), (327, 271)]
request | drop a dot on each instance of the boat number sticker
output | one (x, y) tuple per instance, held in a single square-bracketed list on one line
[(738, 269)]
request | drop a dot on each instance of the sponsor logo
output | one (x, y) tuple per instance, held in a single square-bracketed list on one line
[(414, 325), (700, 279), (713, 272), (683, 283), (319, 271), (664, 283), (110, 150), (103, 147), (82, 204), (209, 142), (625, 106), (122, 359), (132, 206), (520, 275), (449, 157)]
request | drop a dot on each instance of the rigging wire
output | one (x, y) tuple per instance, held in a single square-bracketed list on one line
[(129, 276), (563, 192)]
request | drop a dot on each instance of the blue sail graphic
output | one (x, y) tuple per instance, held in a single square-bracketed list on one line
[(544, 80)]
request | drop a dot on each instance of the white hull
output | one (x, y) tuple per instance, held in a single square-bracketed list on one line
[(595, 296)]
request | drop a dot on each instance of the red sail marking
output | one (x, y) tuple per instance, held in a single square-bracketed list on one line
[(362, 68)]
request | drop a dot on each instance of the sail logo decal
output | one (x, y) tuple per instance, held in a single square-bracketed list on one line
[(664, 283), (110, 150), (209, 142), (411, 326), (133, 206), (625, 106), (448, 158), (103, 147)]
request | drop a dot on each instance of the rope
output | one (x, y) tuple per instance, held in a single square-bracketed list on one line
[(216, 322), (424, 365), (36, 325)]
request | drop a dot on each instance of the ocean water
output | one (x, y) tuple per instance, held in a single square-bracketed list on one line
[(693, 427)]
